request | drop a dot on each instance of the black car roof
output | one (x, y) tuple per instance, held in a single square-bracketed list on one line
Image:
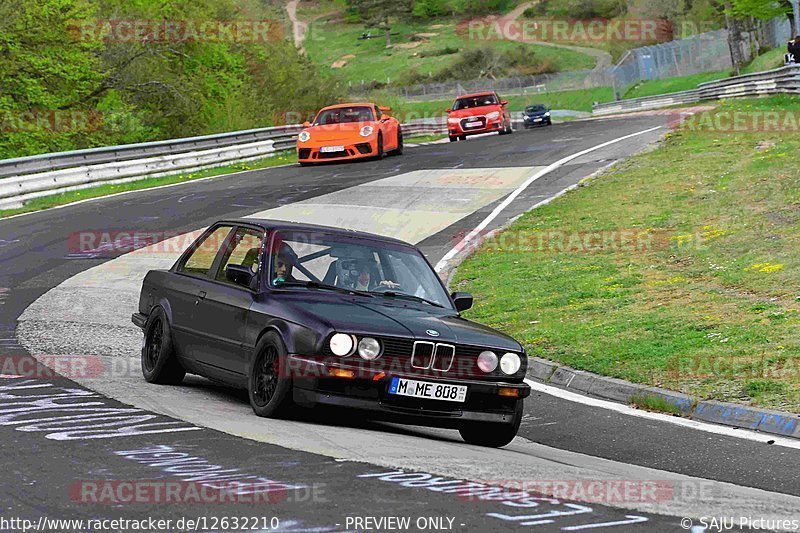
[(269, 224)]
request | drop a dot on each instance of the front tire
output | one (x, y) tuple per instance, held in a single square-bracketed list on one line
[(493, 435), (159, 362), (380, 152), (269, 383), (453, 139), (399, 149)]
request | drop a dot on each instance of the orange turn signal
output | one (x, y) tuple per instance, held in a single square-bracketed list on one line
[(342, 373), (379, 376), (507, 391)]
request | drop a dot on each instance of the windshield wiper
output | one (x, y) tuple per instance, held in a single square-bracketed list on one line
[(325, 286), (407, 296)]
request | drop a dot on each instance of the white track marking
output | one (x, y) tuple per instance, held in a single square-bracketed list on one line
[(724, 431), (541, 173)]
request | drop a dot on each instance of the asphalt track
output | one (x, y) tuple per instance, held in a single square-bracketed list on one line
[(560, 440)]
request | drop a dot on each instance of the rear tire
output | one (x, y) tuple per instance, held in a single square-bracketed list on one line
[(462, 138), (493, 435), (159, 362), (453, 139), (269, 383)]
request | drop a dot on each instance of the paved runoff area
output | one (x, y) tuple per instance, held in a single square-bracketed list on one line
[(93, 441)]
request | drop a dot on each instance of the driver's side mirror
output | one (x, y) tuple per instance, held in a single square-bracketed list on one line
[(463, 301), (239, 274), (306, 124), (503, 102), (449, 109)]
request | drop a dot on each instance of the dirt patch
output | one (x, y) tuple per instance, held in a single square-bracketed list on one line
[(765, 145), (342, 61), (425, 35), (406, 46)]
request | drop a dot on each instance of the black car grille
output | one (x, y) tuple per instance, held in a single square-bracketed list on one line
[(364, 148), (303, 153), (333, 155), (400, 355), (468, 120)]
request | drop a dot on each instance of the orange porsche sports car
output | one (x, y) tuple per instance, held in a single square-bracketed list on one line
[(349, 131)]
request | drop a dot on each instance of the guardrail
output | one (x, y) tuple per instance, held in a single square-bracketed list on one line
[(784, 80), (26, 178)]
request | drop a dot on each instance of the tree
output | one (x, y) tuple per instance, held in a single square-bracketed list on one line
[(378, 13), (764, 10)]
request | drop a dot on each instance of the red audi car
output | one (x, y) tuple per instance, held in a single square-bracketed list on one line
[(472, 114)]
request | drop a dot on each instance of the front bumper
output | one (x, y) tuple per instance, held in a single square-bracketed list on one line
[(370, 395), (536, 121), (456, 130), (358, 150)]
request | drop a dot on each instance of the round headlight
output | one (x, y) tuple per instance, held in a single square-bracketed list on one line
[(493, 115), (366, 131), (453, 120), (304, 136), (487, 361), (369, 348), (510, 363), (547, 114), (342, 345)]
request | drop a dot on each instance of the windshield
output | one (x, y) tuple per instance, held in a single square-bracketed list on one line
[(475, 101), (344, 115), (535, 108), (322, 261)]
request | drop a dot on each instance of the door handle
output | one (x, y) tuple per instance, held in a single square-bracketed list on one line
[(200, 296)]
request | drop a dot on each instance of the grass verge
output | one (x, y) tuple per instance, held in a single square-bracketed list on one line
[(677, 269), (674, 85), (281, 158)]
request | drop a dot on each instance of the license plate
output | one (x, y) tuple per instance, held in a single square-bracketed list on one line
[(537, 120), (427, 390), (474, 124), (329, 149)]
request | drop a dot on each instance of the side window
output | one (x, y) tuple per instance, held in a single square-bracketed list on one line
[(245, 250), (378, 114), (202, 258)]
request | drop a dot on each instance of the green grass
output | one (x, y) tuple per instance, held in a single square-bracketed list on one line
[(703, 298), (424, 138), (282, 158), (328, 42), (767, 61), (673, 85), (656, 404)]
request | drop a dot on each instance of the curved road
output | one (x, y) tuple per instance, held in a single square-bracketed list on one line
[(324, 470)]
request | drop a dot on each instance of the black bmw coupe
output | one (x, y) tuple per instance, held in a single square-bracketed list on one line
[(304, 315)]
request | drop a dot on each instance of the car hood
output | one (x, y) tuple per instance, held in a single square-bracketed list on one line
[(338, 132), (535, 113), (475, 111), (396, 318)]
